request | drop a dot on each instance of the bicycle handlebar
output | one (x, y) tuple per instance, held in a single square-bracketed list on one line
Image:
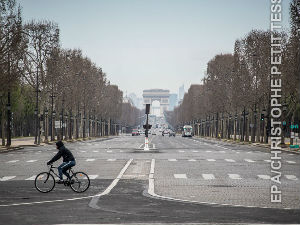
[(51, 166)]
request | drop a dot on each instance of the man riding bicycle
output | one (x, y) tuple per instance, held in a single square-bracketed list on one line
[(68, 161)]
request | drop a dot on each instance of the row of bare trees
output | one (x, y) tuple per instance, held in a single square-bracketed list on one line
[(50, 91), (234, 99)]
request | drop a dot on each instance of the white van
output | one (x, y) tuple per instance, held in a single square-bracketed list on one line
[(187, 131)]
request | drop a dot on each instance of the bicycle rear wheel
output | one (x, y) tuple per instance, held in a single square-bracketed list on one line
[(44, 182), (80, 182)]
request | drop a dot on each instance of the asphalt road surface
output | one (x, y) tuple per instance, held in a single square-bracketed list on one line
[(180, 180)]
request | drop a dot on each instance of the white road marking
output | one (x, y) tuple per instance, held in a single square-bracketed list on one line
[(211, 160), (237, 152), (207, 151), (90, 160), (172, 160), (7, 178), (192, 160), (267, 160), (31, 178), (291, 177), (180, 176), (222, 151), (230, 160), (111, 160), (109, 151), (249, 160), (195, 151), (121, 150), (82, 151), (12, 161), (93, 177), (95, 151), (249, 152), (291, 162), (94, 201), (152, 193), (180, 151), (234, 176), (265, 177), (208, 176), (30, 161)]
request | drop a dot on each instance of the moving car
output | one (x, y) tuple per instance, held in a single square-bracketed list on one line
[(187, 131), (171, 133), (165, 132), (135, 132)]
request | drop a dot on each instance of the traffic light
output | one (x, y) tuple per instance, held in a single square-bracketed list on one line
[(147, 126), (262, 117)]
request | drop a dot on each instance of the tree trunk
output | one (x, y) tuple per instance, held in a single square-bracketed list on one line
[(3, 129)]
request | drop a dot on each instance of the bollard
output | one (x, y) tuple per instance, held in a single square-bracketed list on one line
[(146, 148)]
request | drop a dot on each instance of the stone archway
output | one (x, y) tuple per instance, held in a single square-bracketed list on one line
[(151, 95)]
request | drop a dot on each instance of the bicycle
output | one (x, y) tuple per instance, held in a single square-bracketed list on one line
[(45, 181)]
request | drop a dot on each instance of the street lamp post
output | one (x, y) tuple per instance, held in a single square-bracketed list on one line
[(46, 126), (254, 126), (36, 124), (62, 118), (71, 126), (61, 126), (235, 126), (66, 129), (53, 126), (263, 125), (8, 143)]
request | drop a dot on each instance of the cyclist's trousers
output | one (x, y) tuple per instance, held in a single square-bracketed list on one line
[(62, 169)]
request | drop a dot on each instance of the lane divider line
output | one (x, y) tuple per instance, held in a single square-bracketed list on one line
[(105, 192)]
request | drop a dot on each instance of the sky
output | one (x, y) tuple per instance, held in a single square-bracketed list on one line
[(145, 44)]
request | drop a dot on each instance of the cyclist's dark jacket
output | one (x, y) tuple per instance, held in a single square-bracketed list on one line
[(65, 153)]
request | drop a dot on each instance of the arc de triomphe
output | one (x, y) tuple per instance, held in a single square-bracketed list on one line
[(160, 95)]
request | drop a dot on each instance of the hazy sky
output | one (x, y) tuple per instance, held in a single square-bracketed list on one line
[(143, 44)]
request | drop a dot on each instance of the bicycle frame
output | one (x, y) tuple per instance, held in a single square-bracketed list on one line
[(70, 171)]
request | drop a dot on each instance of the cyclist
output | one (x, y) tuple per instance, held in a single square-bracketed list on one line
[(68, 161)]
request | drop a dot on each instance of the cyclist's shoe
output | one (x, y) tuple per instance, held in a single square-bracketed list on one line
[(60, 182), (72, 181)]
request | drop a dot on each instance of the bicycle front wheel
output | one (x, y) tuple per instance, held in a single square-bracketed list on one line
[(80, 182), (44, 182)]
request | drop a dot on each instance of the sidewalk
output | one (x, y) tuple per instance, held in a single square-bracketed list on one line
[(285, 148), (20, 143)]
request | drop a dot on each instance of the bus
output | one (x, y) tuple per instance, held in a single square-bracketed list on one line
[(187, 131)]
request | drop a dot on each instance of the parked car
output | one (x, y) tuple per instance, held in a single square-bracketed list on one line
[(171, 133), (135, 132)]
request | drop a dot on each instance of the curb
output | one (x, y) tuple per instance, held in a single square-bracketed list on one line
[(11, 149)]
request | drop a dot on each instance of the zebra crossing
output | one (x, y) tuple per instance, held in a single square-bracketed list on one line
[(32, 178), (210, 176), (204, 176), (173, 160)]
